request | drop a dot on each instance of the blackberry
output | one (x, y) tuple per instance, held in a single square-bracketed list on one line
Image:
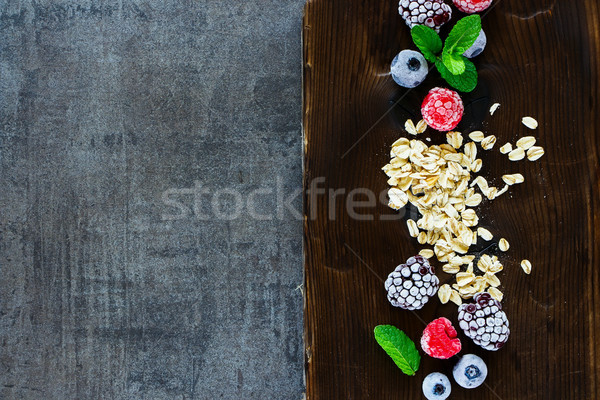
[(484, 322), (411, 285), (431, 13)]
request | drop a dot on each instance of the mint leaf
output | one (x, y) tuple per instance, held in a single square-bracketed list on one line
[(464, 82), (454, 63), (463, 35), (427, 41), (398, 346)]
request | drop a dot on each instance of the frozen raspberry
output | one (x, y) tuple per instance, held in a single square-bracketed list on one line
[(472, 6), (411, 285), (484, 322), (431, 13), (439, 339), (442, 109)]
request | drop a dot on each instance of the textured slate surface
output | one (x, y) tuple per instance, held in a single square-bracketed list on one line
[(110, 111)]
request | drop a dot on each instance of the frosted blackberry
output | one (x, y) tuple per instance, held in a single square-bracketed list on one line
[(409, 68), (411, 285), (431, 13), (484, 322)]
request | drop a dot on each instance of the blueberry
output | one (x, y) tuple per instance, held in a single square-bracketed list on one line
[(436, 386), (409, 68), (470, 371), (477, 47)]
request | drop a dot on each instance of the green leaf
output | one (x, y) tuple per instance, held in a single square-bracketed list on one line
[(464, 82), (454, 63), (463, 35), (427, 40), (398, 346)]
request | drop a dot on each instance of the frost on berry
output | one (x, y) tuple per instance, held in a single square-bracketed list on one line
[(484, 322), (442, 109), (411, 284), (472, 6), (431, 13), (440, 340)]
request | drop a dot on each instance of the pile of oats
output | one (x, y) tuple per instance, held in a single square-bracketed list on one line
[(441, 181)]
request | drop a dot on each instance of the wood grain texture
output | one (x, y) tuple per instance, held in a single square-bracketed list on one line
[(541, 60)]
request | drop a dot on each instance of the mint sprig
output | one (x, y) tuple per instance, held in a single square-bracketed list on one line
[(463, 35), (456, 69), (399, 347), (454, 63), (427, 41), (465, 82)]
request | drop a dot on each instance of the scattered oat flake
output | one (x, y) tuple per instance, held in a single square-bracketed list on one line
[(454, 139), (526, 265), (488, 142), (502, 191), (503, 245), (530, 122), (495, 293), (464, 278), (517, 154), (535, 153), (427, 253), (526, 142), (485, 234), (398, 198), (494, 107), (507, 148), (474, 200), (491, 279), (476, 136), (491, 193), (455, 298), (421, 126), (444, 293), (413, 230), (513, 179), (409, 126)]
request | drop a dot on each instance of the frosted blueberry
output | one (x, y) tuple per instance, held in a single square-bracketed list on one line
[(409, 68), (436, 386), (470, 371), (477, 47)]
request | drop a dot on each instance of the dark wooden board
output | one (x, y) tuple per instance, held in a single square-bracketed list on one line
[(541, 60)]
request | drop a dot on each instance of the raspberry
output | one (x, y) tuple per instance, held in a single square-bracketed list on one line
[(484, 322), (411, 285), (439, 339), (442, 109), (431, 13), (472, 6)]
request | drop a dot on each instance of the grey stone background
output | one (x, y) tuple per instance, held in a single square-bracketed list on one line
[(111, 111)]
